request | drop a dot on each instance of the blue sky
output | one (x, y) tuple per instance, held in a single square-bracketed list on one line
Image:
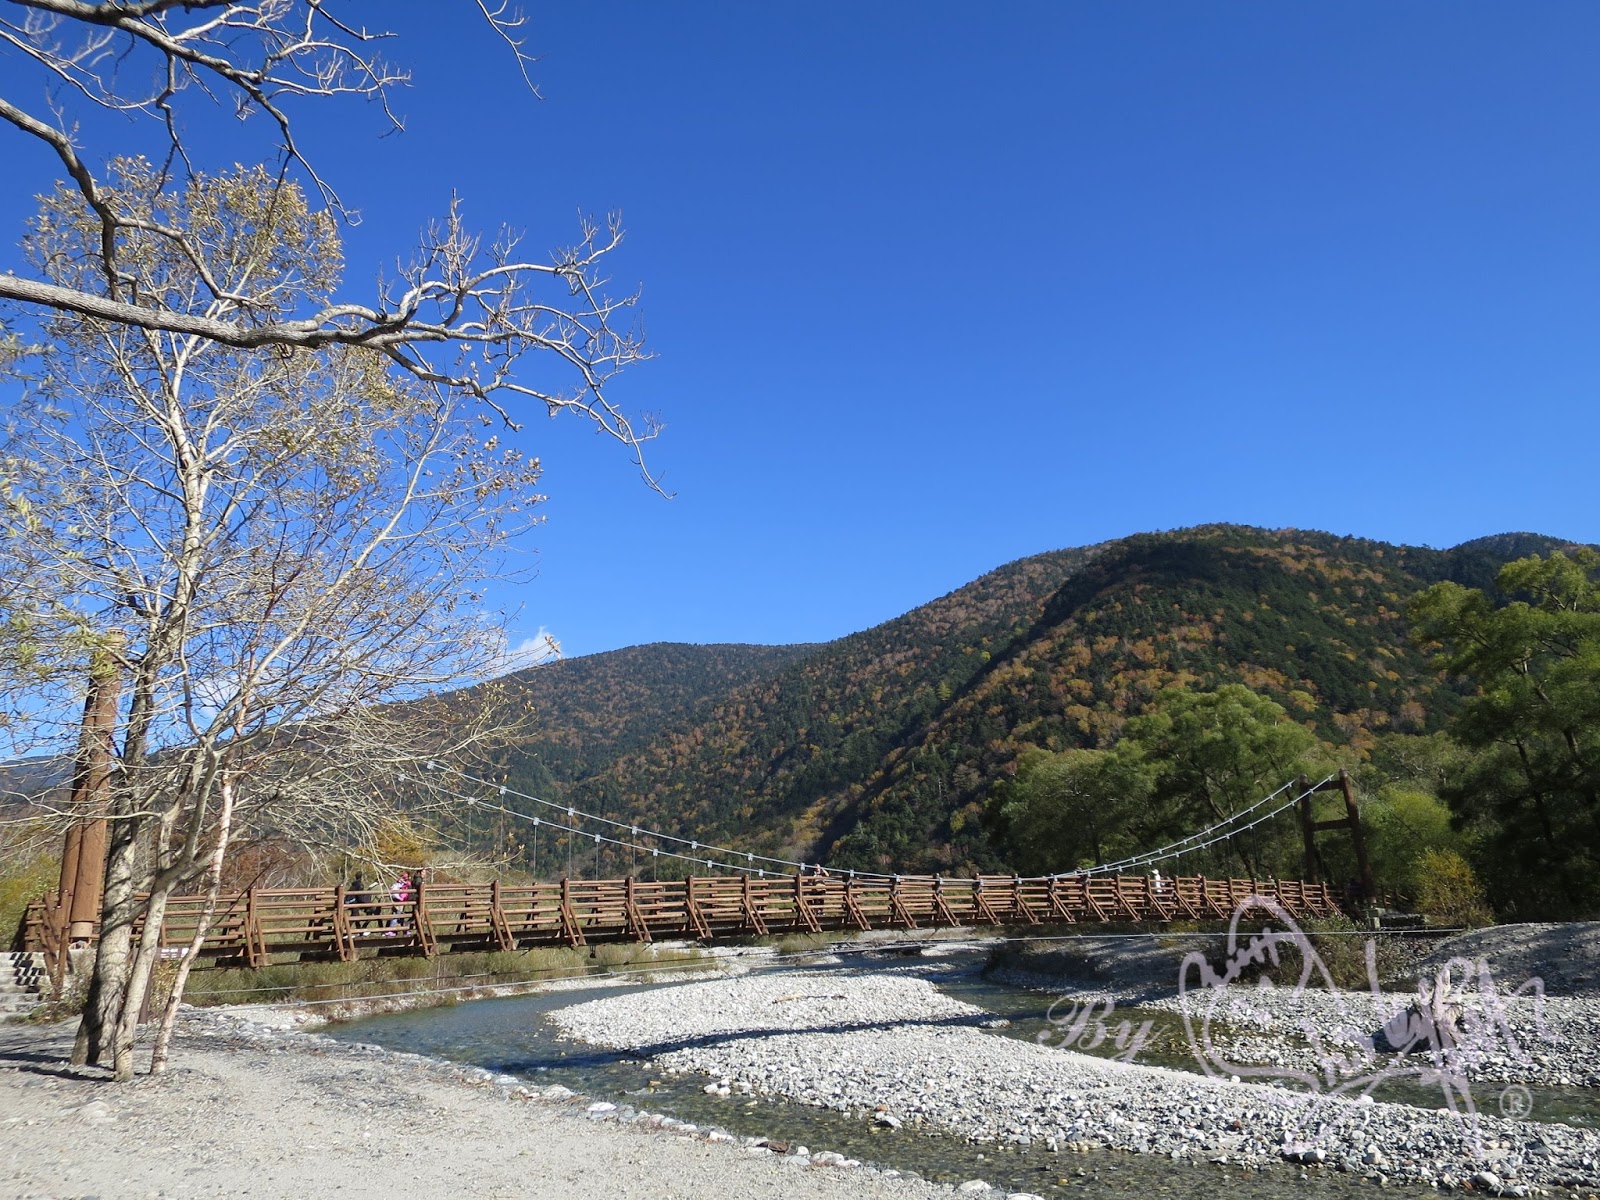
[(937, 286)]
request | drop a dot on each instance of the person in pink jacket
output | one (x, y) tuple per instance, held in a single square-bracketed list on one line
[(400, 894)]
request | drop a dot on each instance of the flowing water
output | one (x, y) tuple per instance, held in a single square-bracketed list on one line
[(512, 1036)]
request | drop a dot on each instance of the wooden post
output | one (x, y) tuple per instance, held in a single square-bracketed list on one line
[(852, 904), (939, 906), (419, 918), (254, 946), (897, 905), (752, 916), (568, 924), (803, 914), (499, 926), (692, 914), (980, 903), (343, 932), (1308, 832), (61, 915), (1369, 890), (83, 860)]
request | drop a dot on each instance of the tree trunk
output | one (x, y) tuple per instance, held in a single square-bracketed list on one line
[(126, 1029), (169, 1016), (108, 980)]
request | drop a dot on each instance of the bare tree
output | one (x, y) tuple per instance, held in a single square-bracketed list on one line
[(282, 548), (462, 316), (263, 497)]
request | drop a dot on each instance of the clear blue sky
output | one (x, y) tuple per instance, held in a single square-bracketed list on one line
[(937, 286)]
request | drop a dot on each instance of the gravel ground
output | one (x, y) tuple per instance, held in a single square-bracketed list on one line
[(253, 1111), (893, 1049), (1496, 1039), (1130, 968), (257, 1106), (781, 1002), (1525, 999), (1497, 1024), (1565, 958)]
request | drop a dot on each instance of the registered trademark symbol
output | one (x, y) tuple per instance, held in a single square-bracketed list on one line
[(1515, 1102)]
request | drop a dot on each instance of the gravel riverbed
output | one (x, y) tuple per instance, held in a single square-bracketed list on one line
[(891, 1048), (282, 1114), (1492, 1039)]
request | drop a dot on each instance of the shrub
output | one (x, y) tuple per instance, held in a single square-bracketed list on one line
[(1448, 889), (22, 879)]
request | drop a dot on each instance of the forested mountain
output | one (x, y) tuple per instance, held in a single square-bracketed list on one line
[(584, 713), (1313, 621), (878, 750)]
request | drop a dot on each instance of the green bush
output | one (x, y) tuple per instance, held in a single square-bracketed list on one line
[(21, 881), (1448, 889)]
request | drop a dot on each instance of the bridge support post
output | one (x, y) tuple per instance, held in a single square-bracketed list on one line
[(897, 906), (500, 928), (752, 915), (1357, 835), (83, 860), (569, 919), (1058, 905), (940, 908), (1308, 828), (344, 941), (420, 921), (255, 948), (1351, 821), (852, 905), (803, 914), (638, 927), (692, 914)]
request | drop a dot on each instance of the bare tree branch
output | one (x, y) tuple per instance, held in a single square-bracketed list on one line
[(282, 552), (463, 315)]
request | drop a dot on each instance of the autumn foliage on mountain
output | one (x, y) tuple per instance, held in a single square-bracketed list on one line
[(883, 749)]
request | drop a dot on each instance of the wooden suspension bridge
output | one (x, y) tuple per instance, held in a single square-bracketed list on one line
[(252, 928)]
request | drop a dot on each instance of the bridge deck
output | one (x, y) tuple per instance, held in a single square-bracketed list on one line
[(249, 928)]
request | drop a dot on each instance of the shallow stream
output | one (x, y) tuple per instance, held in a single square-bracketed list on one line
[(511, 1036)]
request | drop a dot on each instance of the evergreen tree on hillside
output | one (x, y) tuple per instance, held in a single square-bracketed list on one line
[(1533, 789), (1197, 760)]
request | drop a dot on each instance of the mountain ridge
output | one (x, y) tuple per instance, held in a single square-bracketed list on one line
[(875, 750)]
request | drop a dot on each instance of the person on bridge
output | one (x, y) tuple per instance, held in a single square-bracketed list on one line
[(400, 893), (359, 900)]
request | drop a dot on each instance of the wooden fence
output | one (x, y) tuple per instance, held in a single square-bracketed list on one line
[(248, 928)]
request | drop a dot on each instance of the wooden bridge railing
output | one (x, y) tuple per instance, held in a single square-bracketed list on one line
[(250, 927)]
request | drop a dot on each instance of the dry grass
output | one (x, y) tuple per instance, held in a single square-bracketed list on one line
[(445, 979)]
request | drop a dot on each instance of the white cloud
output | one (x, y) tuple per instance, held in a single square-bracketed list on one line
[(533, 651)]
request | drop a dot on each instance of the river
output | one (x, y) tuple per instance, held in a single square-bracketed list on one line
[(511, 1036)]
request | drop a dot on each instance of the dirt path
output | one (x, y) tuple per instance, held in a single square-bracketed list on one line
[(264, 1114)]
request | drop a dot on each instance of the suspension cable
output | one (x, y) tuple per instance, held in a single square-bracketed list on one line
[(597, 838), (636, 830), (1182, 847), (1203, 839)]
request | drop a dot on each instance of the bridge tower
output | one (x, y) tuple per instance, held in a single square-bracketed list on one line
[(1310, 827)]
